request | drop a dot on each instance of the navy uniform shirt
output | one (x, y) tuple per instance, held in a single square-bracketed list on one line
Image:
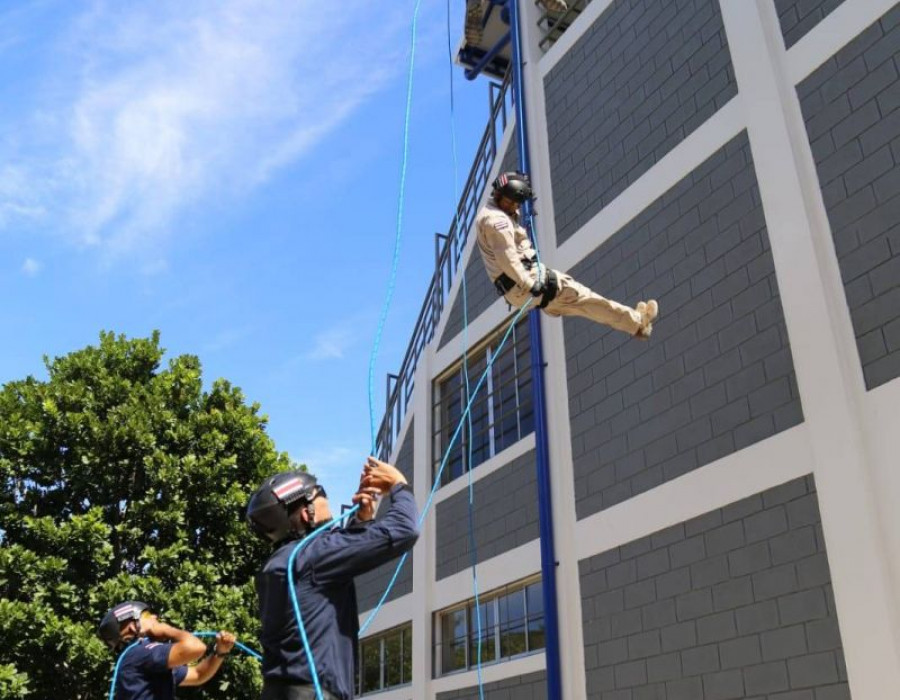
[(323, 577), (145, 674)]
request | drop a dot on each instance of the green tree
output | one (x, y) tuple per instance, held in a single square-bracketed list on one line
[(121, 480)]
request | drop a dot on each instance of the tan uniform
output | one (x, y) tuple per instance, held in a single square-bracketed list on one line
[(504, 244)]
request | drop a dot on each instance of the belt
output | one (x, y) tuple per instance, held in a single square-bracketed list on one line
[(504, 283)]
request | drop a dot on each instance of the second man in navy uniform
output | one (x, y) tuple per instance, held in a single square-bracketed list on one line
[(287, 508), (158, 662)]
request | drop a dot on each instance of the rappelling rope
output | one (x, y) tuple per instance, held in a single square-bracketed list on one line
[(437, 479), (473, 545), (392, 280), (470, 395)]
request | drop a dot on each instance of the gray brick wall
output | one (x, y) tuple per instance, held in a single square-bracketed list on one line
[(532, 686), (505, 517), (481, 294), (646, 75), (405, 456), (736, 603), (717, 374), (510, 160), (371, 586), (798, 17), (851, 105)]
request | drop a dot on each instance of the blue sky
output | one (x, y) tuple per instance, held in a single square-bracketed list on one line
[(227, 172)]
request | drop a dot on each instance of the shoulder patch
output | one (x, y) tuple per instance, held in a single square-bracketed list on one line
[(501, 223)]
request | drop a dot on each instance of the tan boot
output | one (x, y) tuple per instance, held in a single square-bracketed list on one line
[(648, 310)]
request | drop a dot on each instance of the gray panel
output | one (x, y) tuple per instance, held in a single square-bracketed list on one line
[(736, 603), (406, 455), (532, 686), (717, 375), (851, 105), (798, 17), (481, 294), (511, 157), (646, 75), (371, 586), (505, 517)]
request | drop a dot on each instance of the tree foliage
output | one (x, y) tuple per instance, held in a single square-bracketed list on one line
[(121, 480)]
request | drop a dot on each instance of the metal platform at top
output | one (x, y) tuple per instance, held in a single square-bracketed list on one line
[(492, 53)]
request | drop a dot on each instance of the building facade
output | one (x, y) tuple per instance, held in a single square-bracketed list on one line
[(724, 496)]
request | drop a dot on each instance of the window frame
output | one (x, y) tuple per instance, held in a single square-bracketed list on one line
[(490, 408), (404, 633), (495, 633)]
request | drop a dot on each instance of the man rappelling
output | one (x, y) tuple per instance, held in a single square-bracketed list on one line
[(511, 263)]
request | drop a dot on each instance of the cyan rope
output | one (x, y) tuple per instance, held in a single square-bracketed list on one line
[(112, 685), (437, 480), (473, 545), (243, 647), (292, 591), (392, 280)]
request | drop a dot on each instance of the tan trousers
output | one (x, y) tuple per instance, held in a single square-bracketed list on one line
[(574, 299)]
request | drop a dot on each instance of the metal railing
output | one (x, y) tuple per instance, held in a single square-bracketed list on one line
[(448, 253), (553, 25)]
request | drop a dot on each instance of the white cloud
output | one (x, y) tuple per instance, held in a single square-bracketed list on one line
[(32, 267), (173, 104), (18, 201), (331, 344)]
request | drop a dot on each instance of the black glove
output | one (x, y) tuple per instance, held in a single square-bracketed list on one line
[(537, 289)]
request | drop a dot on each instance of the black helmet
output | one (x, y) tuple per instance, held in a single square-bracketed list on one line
[(514, 185), (268, 512), (111, 624)]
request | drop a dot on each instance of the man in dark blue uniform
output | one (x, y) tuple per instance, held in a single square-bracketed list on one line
[(285, 509), (151, 669)]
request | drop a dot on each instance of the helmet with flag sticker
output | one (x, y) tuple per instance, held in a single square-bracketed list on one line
[(515, 185), (268, 512), (111, 626)]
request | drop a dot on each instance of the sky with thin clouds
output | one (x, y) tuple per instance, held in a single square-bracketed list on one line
[(227, 171)]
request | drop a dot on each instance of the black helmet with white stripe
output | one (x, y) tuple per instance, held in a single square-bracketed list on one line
[(268, 512), (515, 185), (111, 626)]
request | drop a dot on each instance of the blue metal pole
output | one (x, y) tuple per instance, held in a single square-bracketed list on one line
[(542, 453)]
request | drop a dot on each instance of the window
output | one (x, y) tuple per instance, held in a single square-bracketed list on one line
[(512, 623), (502, 413), (385, 661)]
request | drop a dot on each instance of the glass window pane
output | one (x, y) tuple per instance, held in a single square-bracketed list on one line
[(407, 655), (453, 641), (393, 663), (534, 595), (512, 624), (488, 638), (371, 665), (501, 414)]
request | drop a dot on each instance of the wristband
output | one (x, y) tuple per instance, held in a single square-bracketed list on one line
[(211, 651)]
